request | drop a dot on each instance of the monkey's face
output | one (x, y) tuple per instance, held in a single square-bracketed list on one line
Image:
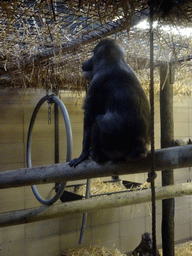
[(147, 241), (105, 53), (148, 244), (99, 53)]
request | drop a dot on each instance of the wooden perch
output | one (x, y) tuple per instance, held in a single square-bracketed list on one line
[(91, 205), (175, 157)]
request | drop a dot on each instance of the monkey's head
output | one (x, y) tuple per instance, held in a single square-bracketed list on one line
[(147, 241), (87, 68), (106, 52)]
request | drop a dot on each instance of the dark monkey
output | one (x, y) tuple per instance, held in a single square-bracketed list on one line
[(145, 247), (116, 109)]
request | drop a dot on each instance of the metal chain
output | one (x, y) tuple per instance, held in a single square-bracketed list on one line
[(54, 89), (49, 113), (47, 75), (49, 101)]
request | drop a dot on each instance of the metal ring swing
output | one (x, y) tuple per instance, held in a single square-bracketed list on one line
[(56, 100)]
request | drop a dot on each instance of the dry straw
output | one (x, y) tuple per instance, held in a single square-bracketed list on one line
[(182, 250), (100, 187), (93, 251), (43, 43)]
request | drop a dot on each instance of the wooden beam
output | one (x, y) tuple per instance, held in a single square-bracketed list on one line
[(91, 205), (167, 136), (174, 157)]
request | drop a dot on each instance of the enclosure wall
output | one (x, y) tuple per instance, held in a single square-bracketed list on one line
[(119, 227)]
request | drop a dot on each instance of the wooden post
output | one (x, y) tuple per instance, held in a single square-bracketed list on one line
[(175, 157), (91, 205), (167, 136)]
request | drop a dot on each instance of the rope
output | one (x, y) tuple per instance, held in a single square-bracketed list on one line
[(152, 175)]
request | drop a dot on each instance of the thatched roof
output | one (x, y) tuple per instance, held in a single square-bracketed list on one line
[(45, 42)]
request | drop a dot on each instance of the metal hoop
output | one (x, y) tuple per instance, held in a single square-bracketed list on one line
[(56, 100)]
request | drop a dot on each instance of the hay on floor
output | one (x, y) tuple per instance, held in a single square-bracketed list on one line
[(93, 251), (182, 249), (100, 187)]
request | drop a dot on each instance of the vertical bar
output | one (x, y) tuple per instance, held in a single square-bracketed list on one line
[(167, 136), (84, 220), (56, 127)]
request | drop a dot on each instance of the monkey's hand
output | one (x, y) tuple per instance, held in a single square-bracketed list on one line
[(134, 253), (81, 158)]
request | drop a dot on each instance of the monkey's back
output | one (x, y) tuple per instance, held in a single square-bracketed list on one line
[(124, 121)]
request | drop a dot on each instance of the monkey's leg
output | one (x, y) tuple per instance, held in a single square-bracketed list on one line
[(138, 150), (96, 152), (85, 151)]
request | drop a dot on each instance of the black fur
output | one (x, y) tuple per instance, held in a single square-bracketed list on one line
[(145, 247), (117, 113)]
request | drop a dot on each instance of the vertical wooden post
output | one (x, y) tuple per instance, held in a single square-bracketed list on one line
[(167, 135)]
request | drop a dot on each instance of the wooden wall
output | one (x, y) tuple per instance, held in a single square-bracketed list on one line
[(119, 227)]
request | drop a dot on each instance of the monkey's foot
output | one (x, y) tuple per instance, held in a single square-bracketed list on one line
[(139, 153), (98, 159), (78, 160)]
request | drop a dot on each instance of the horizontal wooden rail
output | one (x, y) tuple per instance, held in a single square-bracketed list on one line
[(174, 157), (91, 205)]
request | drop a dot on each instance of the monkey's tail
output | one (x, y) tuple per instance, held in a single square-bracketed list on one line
[(111, 123)]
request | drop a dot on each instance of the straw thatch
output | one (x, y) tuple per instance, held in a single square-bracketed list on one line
[(43, 43)]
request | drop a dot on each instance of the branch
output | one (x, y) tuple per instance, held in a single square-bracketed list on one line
[(174, 157)]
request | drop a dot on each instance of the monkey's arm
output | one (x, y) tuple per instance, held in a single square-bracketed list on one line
[(86, 144), (137, 250), (134, 253), (93, 106), (85, 151)]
